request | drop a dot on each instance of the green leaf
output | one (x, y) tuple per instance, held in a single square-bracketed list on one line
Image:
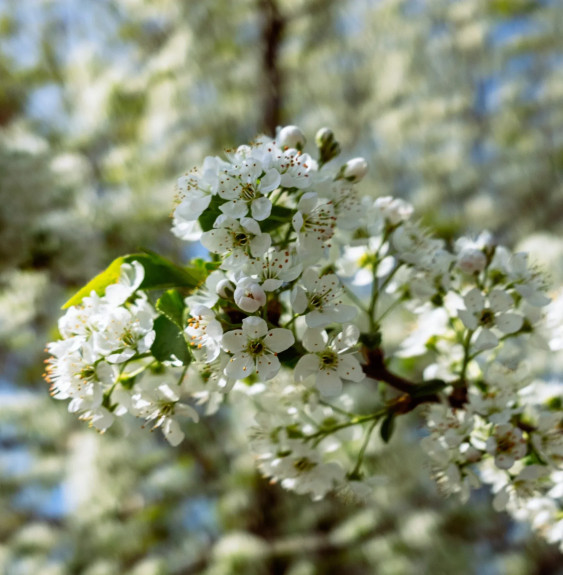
[(280, 216), (169, 342), (98, 284), (207, 219), (171, 304), (387, 427), (160, 273)]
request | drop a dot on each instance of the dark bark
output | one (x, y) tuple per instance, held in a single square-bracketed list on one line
[(273, 27)]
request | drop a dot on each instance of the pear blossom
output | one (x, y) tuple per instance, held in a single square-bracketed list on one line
[(314, 223), (245, 185), (303, 471), (327, 361), (507, 445), (239, 241), (205, 332), (275, 268), (319, 299), (162, 406), (480, 317), (255, 349), (128, 331)]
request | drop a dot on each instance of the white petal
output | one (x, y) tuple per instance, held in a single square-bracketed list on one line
[(317, 319), (500, 301), (235, 209), (270, 181), (328, 383), (315, 339), (347, 338), (240, 366), (253, 327), (279, 339), (216, 240), (509, 322), (486, 340), (474, 300), (261, 208), (250, 225), (234, 341), (468, 319), (260, 244), (267, 366), (298, 299), (343, 313), (297, 221), (172, 432), (306, 366), (349, 368), (307, 202), (271, 284)]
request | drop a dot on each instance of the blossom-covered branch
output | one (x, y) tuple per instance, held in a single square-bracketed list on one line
[(307, 278)]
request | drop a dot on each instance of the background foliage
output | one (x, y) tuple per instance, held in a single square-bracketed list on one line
[(457, 107)]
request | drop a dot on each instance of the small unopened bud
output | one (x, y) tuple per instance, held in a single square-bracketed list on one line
[(323, 137), (471, 260), (250, 296), (329, 148), (291, 137), (355, 170), (225, 289)]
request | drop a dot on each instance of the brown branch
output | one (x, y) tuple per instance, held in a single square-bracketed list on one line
[(273, 28), (376, 369)]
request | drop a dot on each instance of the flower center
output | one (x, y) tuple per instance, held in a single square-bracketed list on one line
[(304, 464), (87, 373), (487, 317), (248, 193), (255, 347), (128, 339), (241, 239), (329, 359)]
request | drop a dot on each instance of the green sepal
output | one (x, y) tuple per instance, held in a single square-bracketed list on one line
[(387, 427), (169, 342), (160, 273)]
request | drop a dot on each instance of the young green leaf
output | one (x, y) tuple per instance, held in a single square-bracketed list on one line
[(387, 427), (171, 304), (160, 273), (169, 342)]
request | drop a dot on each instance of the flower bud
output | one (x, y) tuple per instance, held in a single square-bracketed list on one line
[(249, 295), (329, 148), (291, 137), (225, 289), (471, 260), (323, 137), (355, 170)]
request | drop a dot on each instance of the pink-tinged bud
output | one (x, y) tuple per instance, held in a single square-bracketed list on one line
[(355, 170), (291, 137), (250, 296), (471, 260)]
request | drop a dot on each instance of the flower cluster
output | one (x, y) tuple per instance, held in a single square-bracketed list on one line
[(306, 276)]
